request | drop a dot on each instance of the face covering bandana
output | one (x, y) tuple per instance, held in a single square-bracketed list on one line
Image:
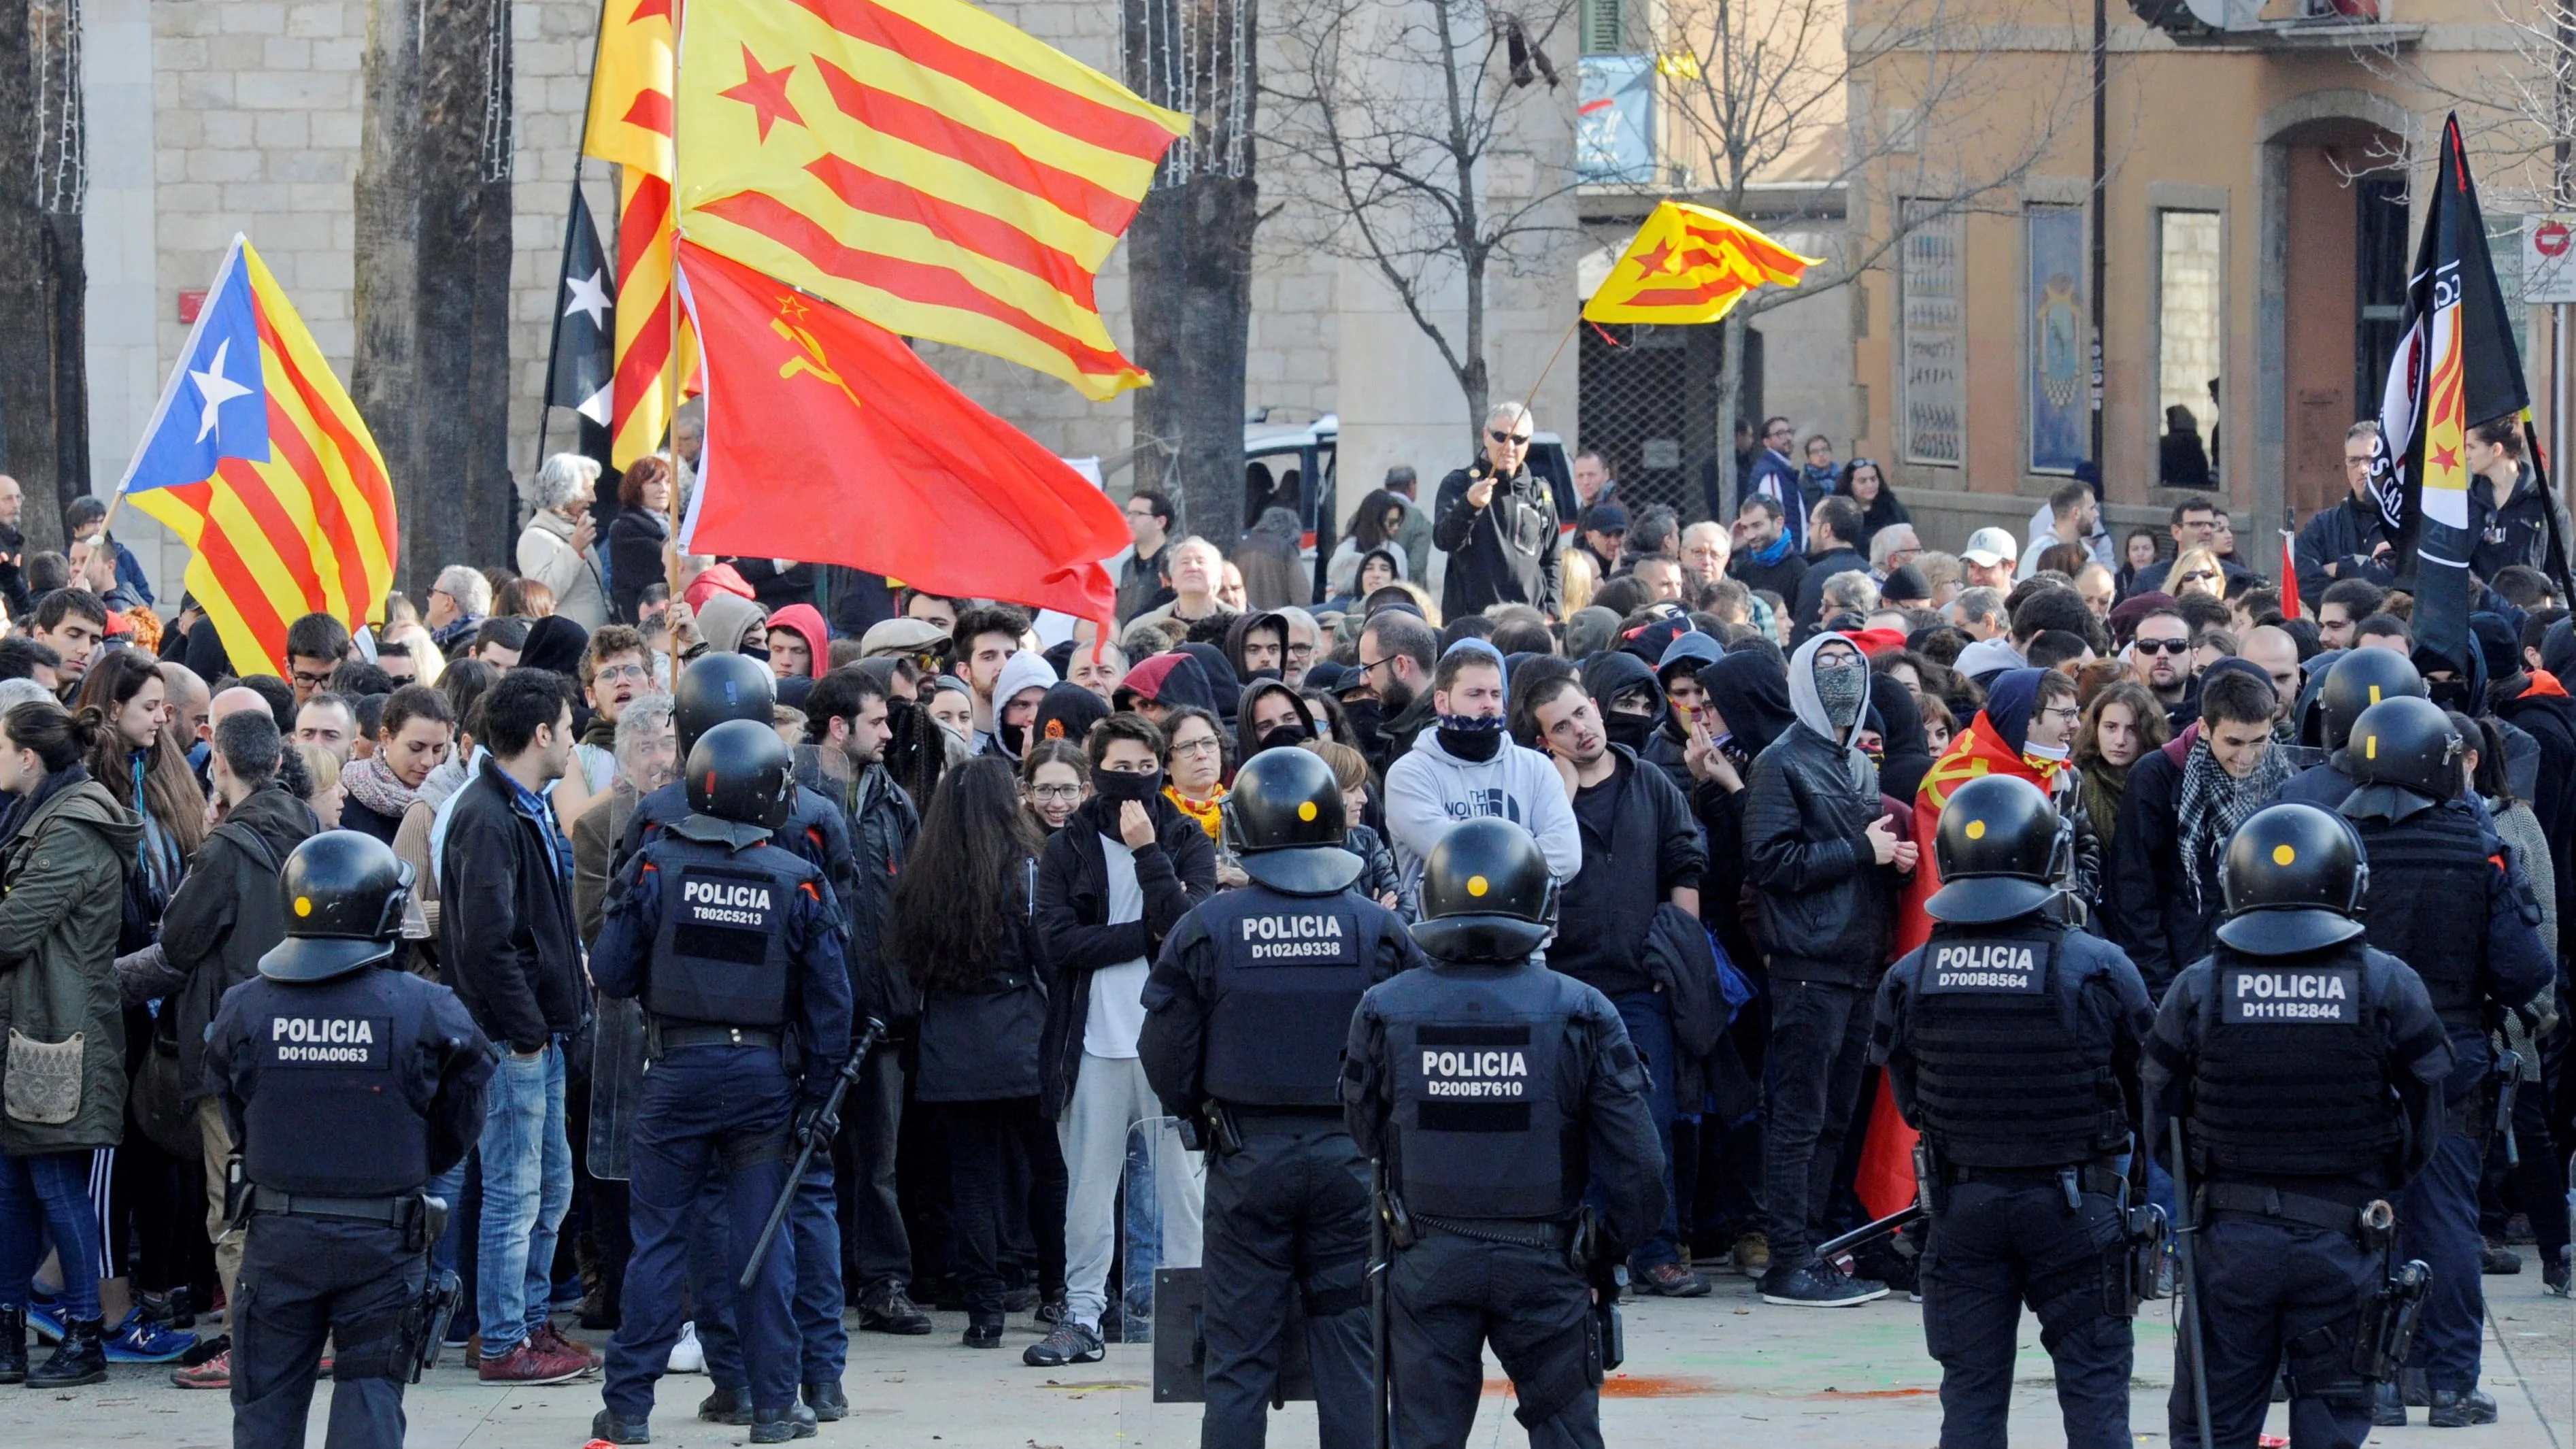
[(1472, 737), (1015, 739), (1632, 730), (1841, 688), (1283, 737), (1260, 674), (1139, 786), (2038, 751), (1364, 716)]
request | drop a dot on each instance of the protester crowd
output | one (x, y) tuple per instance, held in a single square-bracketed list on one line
[(1730, 740)]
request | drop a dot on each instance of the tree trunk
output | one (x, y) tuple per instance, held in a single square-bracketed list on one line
[(433, 276), (1730, 405), (44, 405), (1189, 269)]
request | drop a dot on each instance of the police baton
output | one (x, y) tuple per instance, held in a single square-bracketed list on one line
[(2191, 1290), (814, 1137)]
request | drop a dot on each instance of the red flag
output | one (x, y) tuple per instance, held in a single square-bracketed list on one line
[(828, 440), (2289, 575)]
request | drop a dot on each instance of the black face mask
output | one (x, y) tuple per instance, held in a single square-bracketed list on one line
[(1122, 785), (1471, 738), (1364, 716), (1632, 730), (1283, 737), (1015, 739), (1260, 674)]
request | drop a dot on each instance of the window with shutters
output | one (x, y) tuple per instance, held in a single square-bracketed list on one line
[(1605, 30)]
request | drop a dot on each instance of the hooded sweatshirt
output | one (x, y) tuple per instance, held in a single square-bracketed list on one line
[(1750, 691), (808, 623), (555, 643), (1985, 656), (1025, 669), (1809, 707), (1245, 623), (1591, 630), (1169, 679), (1067, 713), (1252, 694), (1428, 790)]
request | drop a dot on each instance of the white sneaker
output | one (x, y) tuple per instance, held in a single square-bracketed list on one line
[(686, 1356)]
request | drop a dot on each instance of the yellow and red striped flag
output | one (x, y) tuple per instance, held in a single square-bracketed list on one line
[(630, 124), (257, 459), (1691, 264), (922, 164)]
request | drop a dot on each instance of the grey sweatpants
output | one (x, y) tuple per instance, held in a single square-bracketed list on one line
[(1110, 1095)]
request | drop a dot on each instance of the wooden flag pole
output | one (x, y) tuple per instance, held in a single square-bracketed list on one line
[(1532, 401)]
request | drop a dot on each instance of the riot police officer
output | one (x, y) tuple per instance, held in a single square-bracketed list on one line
[(1246, 1013), (716, 688), (732, 944), (2354, 682), (2307, 1067), (2447, 898), (2011, 1042), (347, 1088), (1484, 1085)]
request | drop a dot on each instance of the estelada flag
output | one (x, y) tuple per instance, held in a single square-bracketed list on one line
[(630, 124), (1691, 264), (922, 164), (829, 441), (257, 459), (2456, 367)]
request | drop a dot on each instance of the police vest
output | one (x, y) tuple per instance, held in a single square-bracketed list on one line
[(332, 1110), (1290, 970), (2293, 1074), (1480, 1127), (721, 956), (2003, 1078), (2428, 904)]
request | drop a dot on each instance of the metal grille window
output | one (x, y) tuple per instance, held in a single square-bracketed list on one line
[(1649, 407), (1605, 29)]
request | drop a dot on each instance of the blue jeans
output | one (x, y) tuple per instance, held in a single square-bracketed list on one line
[(1650, 1030), (48, 1193), (527, 1188)]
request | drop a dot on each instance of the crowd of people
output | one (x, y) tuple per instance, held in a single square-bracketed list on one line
[(1731, 741)]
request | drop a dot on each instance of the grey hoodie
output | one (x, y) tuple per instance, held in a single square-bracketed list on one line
[(1809, 707)]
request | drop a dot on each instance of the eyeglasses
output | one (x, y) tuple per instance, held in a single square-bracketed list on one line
[(2198, 576), (2163, 646), (1196, 747), (1301, 651), (616, 672), (1517, 440), (2067, 714), (312, 681), (1055, 792)]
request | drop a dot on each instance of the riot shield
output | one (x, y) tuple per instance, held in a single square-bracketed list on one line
[(616, 1084), (1158, 1216)]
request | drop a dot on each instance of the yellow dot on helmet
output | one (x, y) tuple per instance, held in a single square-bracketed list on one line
[(2282, 854), (2374, 694), (1976, 830), (303, 905), (1476, 885), (2370, 747), (1305, 809)]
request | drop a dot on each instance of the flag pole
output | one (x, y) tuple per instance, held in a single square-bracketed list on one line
[(1551, 360), (671, 369), (580, 155)]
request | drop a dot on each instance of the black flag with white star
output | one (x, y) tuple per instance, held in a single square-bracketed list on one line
[(585, 342)]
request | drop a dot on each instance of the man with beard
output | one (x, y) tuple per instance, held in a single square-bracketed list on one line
[(1766, 555), (1256, 644), (847, 731), (2160, 656), (1395, 656), (1630, 818), (1468, 767)]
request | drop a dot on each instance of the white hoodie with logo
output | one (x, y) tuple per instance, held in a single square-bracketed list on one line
[(1429, 790)]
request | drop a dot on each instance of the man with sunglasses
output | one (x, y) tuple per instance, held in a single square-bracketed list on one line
[(2160, 655), (1497, 522)]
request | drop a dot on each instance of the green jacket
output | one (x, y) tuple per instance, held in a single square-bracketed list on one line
[(62, 892)]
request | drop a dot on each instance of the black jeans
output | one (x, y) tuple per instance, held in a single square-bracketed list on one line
[(876, 1252), (1819, 1044), (981, 1137)]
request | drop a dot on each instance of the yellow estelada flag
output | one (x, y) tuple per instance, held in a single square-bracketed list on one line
[(1691, 264)]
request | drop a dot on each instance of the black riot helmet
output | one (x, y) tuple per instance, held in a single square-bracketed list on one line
[(2406, 743), (2294, 878), (1285, 820), (719, 687), (741, 771), (1486, 894), (2360, 679), (345, 896), (1996, 844)]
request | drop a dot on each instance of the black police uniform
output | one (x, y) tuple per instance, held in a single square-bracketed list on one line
[(2010, 1042), (1492, 1092), (1246, 1013), (818, 833), (2446, 898), (730, 942), (348, 1087)]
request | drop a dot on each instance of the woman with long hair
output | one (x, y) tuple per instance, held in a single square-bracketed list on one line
[(2196, 571), (2138, 551), (1863, 483), (1054, 779), (144, 767), (2121, 724), (1374, 526), (412, 738), (983, 1008), (638, 542), (65, 847)]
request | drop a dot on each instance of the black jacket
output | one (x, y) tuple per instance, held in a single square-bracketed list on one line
[(2344, 536), (1810, 601), (1175, 873), (982, 1045), (2148, 907), (506, 934), (882, 826), (227, 913), (1784, 578), (1605, 912), (1503, 553), (1824, 900), (2519, 533), (2550, 719), (635, 543)]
